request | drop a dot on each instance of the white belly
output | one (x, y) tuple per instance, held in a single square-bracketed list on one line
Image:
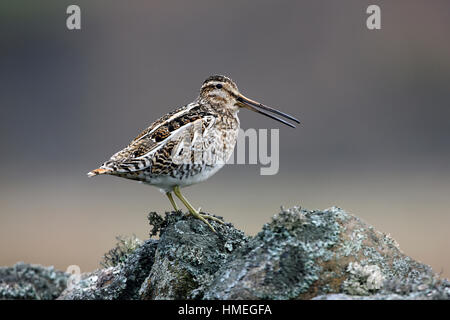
[(166, 182)]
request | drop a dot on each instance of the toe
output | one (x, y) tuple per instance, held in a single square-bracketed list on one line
[(212, 218)]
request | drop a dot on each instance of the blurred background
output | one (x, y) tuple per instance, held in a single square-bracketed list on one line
[(375, 107)]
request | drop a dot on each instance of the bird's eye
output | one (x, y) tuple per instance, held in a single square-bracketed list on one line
[(219, 86)]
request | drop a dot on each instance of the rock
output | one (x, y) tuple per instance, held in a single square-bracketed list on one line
[(121, 281), (188, 255), (428, 288), (176, 266), (29, 281), (300, 254)]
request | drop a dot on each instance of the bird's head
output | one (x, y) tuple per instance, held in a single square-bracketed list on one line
[(221, 92)]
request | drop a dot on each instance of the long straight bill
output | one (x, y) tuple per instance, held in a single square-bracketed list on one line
[(259, 108)]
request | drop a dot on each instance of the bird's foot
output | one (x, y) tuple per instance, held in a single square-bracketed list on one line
[(196, 214)]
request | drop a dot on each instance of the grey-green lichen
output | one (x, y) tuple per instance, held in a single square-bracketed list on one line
[(29, 281), (427, 287), (354, 243), (363, 280)]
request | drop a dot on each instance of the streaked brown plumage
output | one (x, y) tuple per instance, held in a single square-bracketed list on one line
[(189, 144)]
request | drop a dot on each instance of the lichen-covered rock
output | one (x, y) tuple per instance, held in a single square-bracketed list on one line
[(302, 254), (188, 255), (121, 281), (29, 281), (422, 288)]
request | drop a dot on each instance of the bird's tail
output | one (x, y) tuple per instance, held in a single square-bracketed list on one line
[(98, 171)]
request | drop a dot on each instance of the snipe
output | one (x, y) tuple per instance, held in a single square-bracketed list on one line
[(190, 144)]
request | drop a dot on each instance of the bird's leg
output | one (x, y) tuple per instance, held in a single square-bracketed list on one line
[(169, 195), (193, 211)]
